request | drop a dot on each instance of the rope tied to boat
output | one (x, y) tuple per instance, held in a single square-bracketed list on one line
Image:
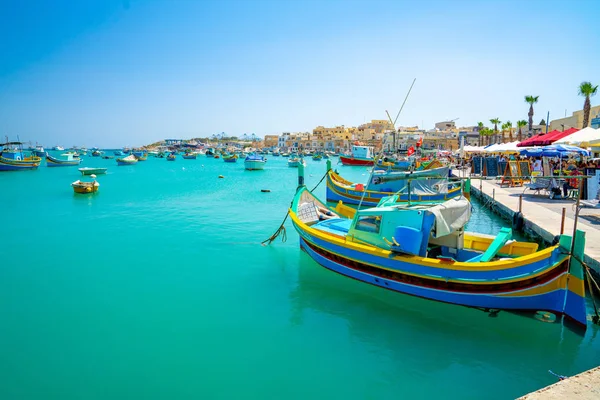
[(281, 230), (560, 377)]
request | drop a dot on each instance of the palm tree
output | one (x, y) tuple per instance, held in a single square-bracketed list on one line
[(520, 124), (531, 100), (503, 131), (495, 121), (587, 90), (480, 129), (509, 127)]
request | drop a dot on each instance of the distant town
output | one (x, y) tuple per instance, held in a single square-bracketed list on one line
[(445, 135)]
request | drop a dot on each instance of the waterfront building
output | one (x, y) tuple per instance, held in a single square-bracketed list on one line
[(574, 121)]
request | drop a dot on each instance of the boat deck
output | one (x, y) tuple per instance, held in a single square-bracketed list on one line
[(337, 226)]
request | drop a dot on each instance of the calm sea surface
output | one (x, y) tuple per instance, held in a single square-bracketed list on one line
[(157, 287)]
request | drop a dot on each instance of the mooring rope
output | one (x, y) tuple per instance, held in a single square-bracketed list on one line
[(560, 377), (281, 230)]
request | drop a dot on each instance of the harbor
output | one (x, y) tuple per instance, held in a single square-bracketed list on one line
[(299, 200)]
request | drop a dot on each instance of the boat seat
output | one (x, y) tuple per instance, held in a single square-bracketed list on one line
[(412, 240), (504, 236)]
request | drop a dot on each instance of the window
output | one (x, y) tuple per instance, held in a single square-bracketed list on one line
[(369, 223)]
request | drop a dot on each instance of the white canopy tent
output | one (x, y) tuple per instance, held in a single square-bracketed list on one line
[(582, 138), (473, 149)]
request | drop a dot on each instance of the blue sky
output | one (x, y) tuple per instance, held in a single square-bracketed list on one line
[(114, 73)]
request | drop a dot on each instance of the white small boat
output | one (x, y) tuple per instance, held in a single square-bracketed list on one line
[(91, 170), (254, 162)]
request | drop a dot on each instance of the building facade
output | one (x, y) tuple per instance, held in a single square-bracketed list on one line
[(574, 121)]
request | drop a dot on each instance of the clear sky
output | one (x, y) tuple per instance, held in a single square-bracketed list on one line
[(113, 73)]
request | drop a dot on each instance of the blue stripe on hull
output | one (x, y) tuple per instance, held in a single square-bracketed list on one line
[(372, 198), (550, 301), (424, 270)]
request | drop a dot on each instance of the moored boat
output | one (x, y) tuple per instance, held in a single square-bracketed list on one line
[(118, 153), (171, 157), (419, 186), (92, 171), (82, 187), (189, 156), (129, 160), (254, 162), (361, 155), (230, 158), (295, 162), (15, 159), (424, 251), (68, 160)]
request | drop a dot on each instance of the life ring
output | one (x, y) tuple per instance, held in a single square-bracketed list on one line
[(18, 158)]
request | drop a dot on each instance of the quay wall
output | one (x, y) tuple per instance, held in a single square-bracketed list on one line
[(530, 228)]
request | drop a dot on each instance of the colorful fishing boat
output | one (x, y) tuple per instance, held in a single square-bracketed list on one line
[(58, 148), (82, 187), (419, 186), (230, 158), (39, 151), (361, 155), (129, 160), (118, 153), (209, 153), (171, 157), (92, 171), (189, 156), (254, 162), (423, 250), (68, 160), (13, 158), (96, 153), (317, 157)]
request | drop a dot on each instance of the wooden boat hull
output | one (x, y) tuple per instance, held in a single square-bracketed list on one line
[(189, 157), (356, 161), (7, 164), (546, 280), (92, 171), (230, 159), (55, 162), (338, 191), (85, 187)]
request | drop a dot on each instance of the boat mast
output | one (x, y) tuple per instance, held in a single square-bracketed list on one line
[(398, 115)]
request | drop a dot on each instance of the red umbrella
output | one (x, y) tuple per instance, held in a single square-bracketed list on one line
[(541, 140), (558, 135), (528, 142)]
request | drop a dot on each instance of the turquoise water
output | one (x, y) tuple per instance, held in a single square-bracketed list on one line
[(157, 287)]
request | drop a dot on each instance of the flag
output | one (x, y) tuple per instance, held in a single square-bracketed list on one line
[(420, 141), (411, 150)]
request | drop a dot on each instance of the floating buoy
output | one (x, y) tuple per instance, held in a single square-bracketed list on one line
[(265, 190), (221, 177)]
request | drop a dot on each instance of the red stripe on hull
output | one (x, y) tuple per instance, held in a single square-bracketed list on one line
[(356, 161)]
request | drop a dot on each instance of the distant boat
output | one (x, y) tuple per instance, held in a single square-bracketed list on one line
[(108, 157), (96, 153), (230, 158), (118, 153), (39, 151), (189, 156), (361, 155), (295, 162), (171, 157), (130, 159), (210, 153), (86, 187), (58, 148), (15, 159), (92, 171), (254, 162), (317, 157), (68, 160)]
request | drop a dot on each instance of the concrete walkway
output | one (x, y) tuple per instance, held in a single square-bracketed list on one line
[(543, 216), (585, 386)]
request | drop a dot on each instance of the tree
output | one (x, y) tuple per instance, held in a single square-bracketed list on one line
[(531, 100), (480, 129), (508, 125), (542, 122), (520, 124), (587, 90), (495, 121)]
